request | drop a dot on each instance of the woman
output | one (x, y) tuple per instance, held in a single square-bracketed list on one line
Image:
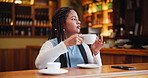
[(66, 44)]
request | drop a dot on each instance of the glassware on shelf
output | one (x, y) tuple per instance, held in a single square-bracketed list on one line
[(23, 16), (41, 17), (26, 2), (29, 32)]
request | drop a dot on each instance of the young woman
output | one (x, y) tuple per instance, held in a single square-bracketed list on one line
[(66, 44)]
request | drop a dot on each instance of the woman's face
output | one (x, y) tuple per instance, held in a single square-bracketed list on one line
[(72, 23)]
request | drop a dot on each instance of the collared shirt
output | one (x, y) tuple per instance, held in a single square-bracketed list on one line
[(51, 50)]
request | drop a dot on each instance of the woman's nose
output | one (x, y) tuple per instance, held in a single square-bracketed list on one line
[(78, 22)]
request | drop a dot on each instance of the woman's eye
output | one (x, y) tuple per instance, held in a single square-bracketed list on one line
[(73, 19)]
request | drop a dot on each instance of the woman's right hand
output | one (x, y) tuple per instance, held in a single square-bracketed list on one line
[(75, 39)]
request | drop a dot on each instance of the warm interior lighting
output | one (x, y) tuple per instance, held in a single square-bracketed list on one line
[(105, 6), (92, 8), (32, 2), (106, 21), (11, 23), (106, 32), (18, 2), (7, 0), (89, 9)]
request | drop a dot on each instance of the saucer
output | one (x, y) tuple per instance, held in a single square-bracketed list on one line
[(46, 71), (88, 65)]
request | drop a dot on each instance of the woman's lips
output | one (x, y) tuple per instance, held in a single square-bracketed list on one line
[(78, 27)]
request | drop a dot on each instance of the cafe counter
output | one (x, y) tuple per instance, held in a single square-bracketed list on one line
[(23, 59), (115, 56), (142, 52), (106, 71)]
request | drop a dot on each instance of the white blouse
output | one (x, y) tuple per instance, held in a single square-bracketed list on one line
[(49, 53)]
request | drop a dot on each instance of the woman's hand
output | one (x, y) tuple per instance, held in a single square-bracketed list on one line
[(75, 39), (97, 45)]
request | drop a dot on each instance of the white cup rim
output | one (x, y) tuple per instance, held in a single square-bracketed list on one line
[(53, 62), (89, 34), (89, 38)]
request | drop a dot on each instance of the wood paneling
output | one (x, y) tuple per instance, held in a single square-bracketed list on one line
[(108, 59), (32, 54), (140, 52), (22, 59), (17, 59)]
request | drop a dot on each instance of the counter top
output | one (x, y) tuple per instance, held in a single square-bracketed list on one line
[(104, 71), (142, 52)]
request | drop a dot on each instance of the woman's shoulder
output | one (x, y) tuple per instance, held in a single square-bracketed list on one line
[(53, 41)]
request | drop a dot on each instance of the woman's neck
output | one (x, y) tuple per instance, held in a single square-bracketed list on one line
[(69, 34)]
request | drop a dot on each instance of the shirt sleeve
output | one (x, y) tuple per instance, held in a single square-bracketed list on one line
[(92, 59), (48, 53), (97, 59)]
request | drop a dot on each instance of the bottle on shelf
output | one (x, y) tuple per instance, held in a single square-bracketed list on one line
[(0, 18), (22, 32), (121, 31), (6, 30), (47, 31), (16, 32), (17, 19), (41, 17), (23, 16), (41, 32), (29, 31)]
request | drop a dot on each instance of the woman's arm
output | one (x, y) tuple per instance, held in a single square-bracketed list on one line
[(93, 59), (97, 46), (48, 53)]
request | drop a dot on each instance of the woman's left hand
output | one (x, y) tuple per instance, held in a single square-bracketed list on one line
[(97, 45)]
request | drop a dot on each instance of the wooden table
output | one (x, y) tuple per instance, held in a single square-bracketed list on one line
[(104, 71)]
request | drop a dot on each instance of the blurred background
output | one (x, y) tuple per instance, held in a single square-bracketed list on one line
[(25, 25)]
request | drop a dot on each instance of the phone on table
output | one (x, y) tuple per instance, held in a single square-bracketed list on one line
[(124, 67)]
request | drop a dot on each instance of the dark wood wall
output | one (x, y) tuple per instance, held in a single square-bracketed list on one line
[(24, 59), (17, 59), (108, 59)]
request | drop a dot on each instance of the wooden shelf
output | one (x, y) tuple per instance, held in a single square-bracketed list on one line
[(101, 18), (96, 26), (86, 15), (23, 36), (41, 6), (20, 14), (131, 16)]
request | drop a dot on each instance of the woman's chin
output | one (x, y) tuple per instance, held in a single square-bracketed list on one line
[(78, 30)]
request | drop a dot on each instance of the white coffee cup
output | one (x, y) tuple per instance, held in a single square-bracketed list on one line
[(53, 66), (89, 38)]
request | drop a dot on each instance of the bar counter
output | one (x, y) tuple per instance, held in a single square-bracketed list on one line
[(141, 71), (143, 52), (115, 56), (24, 59)]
